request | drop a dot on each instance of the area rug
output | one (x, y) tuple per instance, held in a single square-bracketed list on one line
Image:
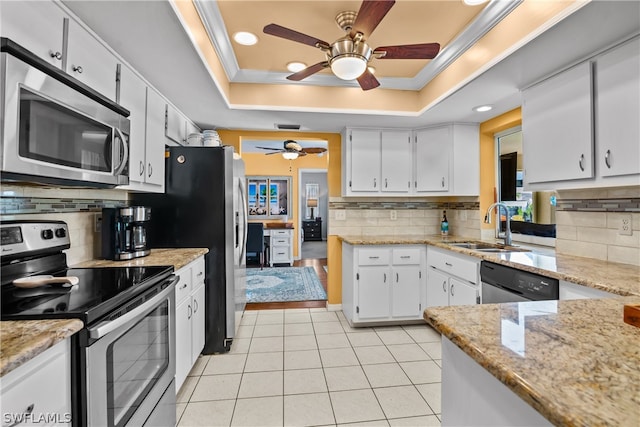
[(276, 284)]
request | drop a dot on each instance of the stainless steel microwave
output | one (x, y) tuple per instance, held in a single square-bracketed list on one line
[(55, 129)]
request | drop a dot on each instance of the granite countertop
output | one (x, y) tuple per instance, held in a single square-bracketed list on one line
[(22, 340), (620, 279), (575, 362), (177, 257)]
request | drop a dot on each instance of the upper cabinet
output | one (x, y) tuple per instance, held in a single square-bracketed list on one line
[(617, 110), (580, 126), (177, 126), (441, 160)]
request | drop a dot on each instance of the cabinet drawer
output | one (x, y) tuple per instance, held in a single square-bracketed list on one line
[(454, 264), (373, 256), (280, 255), (280, 233), (406, 256), (183, 287), (197, 272), (280, 241)]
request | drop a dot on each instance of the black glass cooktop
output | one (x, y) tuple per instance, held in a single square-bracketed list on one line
[(99, 291)]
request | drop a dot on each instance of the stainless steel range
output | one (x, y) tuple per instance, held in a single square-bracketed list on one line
[(123, 361)]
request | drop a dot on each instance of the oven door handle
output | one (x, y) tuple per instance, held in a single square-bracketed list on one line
[(103, 328)]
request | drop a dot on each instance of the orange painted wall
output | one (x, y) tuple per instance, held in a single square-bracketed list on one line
[(488, 129)]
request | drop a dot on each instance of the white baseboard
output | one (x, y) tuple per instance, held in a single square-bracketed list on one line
[(334, 307)]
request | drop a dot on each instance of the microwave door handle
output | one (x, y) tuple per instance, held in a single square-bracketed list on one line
[(125, 156), (103, 328)]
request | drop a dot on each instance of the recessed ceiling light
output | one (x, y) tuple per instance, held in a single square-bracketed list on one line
[(473, 2), (482, 108), (245, 38), (294, 67), (371, 69)]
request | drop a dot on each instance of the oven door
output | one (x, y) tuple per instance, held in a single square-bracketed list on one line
[(131, 367), (55, 134)]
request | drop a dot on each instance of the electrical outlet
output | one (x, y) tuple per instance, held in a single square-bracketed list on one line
[(97, 226), (393, 215), (625, 227), (341, 215)]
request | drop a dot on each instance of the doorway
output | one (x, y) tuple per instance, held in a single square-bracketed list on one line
[(314, 209)]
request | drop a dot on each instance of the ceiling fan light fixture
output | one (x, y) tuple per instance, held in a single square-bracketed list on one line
[(245, 38), (289, 155), (349, 59), (295, 66)]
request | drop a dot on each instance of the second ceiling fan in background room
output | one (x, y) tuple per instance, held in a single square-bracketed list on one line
[(348, 57), (291, 150)]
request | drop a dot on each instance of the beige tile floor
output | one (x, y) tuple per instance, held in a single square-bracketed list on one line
[(308, 367)]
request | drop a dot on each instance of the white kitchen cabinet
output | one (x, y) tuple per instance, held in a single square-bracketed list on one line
[(177, 126), (383, 283), (617, 109), (364, 158), (190, 318), (396, 161), (154, 147), (89, 61), (433, 153), (280, 246), (556, 127), (36, 26), (452, 279), (40, 387)]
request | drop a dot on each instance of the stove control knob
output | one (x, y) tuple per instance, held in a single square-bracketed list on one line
[(47, 234), (61, 232)]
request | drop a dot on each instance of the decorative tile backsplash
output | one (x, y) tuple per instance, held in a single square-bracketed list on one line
[(29, 205), (599, 205)]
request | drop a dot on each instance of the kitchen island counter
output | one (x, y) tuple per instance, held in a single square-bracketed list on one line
[(616, 278), (178, 258), (574, 362), (22, 340)]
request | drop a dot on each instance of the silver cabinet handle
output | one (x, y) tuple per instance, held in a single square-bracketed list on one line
[(385, 183), (405, 256), (150, 169), (444, 286), (199, 274), (607, 160), (183, 286), (451, 289), (397, 277), (77, 68), (57, 55), (195, 306), (580, 162), (374, 183), (189, 311), (141, 168), (448, 264), (24, 414), (385, 277), (374, 257), (443, 182)]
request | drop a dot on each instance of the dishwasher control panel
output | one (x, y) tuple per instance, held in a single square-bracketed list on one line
[(527, 285)]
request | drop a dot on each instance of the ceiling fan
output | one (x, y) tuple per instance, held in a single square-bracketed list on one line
[(291, 150), (348, 56)]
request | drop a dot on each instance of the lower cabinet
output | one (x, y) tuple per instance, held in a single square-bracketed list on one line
[(280, 246), (190, 318), (452, 279), (383, 283), (40, 389)]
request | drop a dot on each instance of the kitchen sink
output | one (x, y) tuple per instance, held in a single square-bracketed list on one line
[(487, 247)]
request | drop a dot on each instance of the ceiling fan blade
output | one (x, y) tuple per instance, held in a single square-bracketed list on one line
[(409, 51), (368, 81), (369, 16), (314, 150), (308, 71), (269, 148), (286, 33)]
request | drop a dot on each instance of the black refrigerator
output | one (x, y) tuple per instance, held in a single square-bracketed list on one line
[(204, 206)]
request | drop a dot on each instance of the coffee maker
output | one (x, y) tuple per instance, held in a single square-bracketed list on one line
[(124, 233)]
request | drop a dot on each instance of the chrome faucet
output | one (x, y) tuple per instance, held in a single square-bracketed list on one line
[(487, 219)]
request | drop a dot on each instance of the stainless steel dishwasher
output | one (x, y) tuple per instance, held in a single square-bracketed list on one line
[(506, 284)]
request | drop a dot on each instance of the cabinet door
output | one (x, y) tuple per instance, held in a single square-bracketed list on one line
[(433, 153), (437, 288), (396, 161), (373, 292), (461, 293), (405, 291), (133, 96), (197, 324), (618, 109), (43, 33), (365, 160), (556, 127), (175, 125), (191, 128), (90, 61), (183, 342), (154, 149)]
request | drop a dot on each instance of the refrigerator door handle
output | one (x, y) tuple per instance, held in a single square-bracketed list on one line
[(245, 211)]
